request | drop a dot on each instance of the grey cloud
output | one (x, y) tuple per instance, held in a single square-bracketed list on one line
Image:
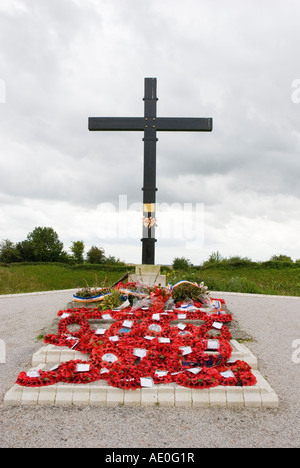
[(65, 61)]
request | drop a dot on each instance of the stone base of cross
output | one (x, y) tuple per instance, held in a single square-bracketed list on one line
[(150, 124), (148, 275)]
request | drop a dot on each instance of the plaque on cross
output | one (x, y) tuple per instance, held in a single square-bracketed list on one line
[(150, 124)]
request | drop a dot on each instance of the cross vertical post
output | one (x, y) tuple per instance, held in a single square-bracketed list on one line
[(149, 187)]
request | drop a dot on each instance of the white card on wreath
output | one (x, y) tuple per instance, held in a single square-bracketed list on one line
[(195, 370), (164, 340), (213, 344), (156, 317), (186, 350), (114, 338), (107, 317), (181, 316), (33, 374), (217, 325), (54, 368), (141, 353), (147, 382), (161, 373), (109, 357), (181, 326), (227, 374), (100, 331), (82, 368), (127, 323), (65, 315)]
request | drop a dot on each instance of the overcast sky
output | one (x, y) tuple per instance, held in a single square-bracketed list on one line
[(62, 61)]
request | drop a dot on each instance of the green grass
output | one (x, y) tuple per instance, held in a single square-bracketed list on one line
[(282, 282), (49, 277), (17, 279)]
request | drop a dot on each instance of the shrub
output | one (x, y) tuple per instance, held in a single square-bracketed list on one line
[(181, 263)]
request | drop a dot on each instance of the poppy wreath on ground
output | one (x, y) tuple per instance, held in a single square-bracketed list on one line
[(74, 319), (202, 313), (130, 314), (163, 356), (238, 373), (224, 318), (44, 379), (193, 315), (79, 340), (209, 325), (122, 354), (185, 334), (154, 328), (211, 357), (243, 373), (67, 372), (162, 376), (206, 378), (127, 377)]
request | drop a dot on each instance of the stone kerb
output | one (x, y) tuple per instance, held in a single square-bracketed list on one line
[(100, 394)]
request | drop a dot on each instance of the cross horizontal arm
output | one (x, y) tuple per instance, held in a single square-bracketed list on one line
[(116, 123), (184, 124)]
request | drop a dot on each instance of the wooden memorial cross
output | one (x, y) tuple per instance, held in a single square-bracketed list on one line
[(150, 124)]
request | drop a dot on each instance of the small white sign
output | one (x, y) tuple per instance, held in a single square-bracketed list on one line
[(231, 360), (217, 325), (227, 374), (127, 323), (147, 382), (181, 316), (156, 317), (155, 328), (186, 350), (184, 333), (33, 374), (195, 370), (107, 317), (213, 344), (114, 338), (82, 368), (125, 305), (109, 357), (141, 353), (54, 368), (65, 315), (164, 340), (150, 338), (181, 326), (161, 373), (100, 331)]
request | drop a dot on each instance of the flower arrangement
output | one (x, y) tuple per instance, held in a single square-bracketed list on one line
[(141, 344), (149, 222)]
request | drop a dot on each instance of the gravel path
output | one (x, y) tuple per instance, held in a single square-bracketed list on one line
[(273, 323)]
